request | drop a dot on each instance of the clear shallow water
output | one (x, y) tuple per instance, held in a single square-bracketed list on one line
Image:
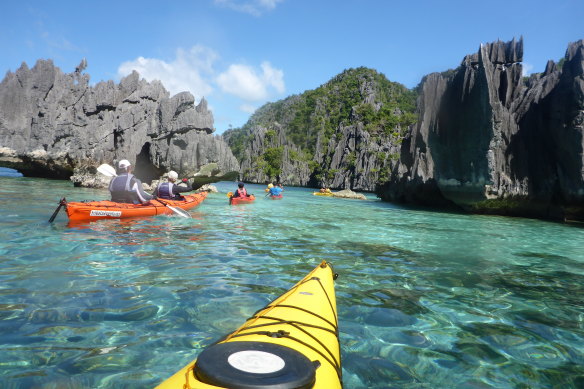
[(425, 299)]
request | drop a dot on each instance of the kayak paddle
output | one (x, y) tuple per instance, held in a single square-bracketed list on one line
[(61, 204), (178, 211), (110, 171)]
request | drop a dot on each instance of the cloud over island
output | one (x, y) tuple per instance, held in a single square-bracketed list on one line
[(197, 70)]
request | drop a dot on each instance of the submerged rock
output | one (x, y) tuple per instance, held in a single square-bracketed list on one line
[(349, 194), (208, 188)]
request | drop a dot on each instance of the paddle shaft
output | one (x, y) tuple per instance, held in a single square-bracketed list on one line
[(173, 209), (61, 204)]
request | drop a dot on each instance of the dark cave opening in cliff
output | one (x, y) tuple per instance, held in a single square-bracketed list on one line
[(145, 169)]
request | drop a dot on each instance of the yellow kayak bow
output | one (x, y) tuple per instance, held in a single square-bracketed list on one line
[(292, 343)]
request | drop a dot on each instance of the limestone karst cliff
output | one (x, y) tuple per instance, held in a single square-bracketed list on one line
[(344, 134), (483, 137), (56, 125), (488, 140)]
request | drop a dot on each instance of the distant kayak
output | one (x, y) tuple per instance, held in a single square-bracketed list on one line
[(277, 197), (293, 342), (95, 210), (327, 194), (241, 200)]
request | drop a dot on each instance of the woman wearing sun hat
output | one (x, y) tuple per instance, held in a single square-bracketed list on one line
[(170, 190)]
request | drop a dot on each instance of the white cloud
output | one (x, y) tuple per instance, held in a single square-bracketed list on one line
[(248, 108), (198, 71), (58, 42), (252, 7), (190, 71), (244, 81), (269, 4), (273, 77), (527, 69)]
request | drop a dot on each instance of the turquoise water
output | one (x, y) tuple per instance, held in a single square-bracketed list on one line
[(425, 299)]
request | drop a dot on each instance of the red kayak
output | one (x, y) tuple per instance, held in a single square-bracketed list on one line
[(94, 210), (277, 197), (241, 200)]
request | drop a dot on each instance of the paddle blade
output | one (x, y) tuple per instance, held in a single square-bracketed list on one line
[(180, 212), (54, 215), (107, 170), (229, 194)]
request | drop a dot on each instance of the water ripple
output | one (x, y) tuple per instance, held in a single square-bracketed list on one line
[(425, 299)]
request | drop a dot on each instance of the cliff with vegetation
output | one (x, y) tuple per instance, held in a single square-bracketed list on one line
[(346, 134), (480, 137), (56, 125), (491, 141)]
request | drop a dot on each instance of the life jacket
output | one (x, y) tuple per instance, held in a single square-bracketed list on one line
[(165, 190), (275, 191), (242, 192), (120, 189)]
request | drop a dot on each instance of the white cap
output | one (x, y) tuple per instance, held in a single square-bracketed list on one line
[(124, 163), (172, 175)]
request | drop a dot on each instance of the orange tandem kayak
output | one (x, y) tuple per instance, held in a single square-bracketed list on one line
[(241, 200), (95, 210)]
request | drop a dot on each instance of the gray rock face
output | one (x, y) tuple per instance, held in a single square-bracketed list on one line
[(294, 172), (358, 158), (55, 125), (488, 141), (352, 157), (349, 154)]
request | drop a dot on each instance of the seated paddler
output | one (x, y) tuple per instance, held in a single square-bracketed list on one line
[(126, 188), (170, 190), (241, 191), (276, 190)]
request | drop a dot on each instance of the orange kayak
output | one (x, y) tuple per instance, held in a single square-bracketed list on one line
[(277, 197), (241, 200), (95, 210)]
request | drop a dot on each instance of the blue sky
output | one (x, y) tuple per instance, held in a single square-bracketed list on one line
[(240, 54)]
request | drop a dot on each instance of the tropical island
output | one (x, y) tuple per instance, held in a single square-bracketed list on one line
[(360, 154), (480, 138)]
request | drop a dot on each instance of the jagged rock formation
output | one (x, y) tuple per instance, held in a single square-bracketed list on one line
[(56, 125), (489, 141), (349, 194), (343, 135)]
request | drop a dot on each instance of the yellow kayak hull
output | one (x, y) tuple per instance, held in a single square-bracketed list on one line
[(327, 194), (301, 321)]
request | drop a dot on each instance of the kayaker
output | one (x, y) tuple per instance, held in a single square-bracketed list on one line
[(170, 190), (241, 191), (126, 188), (276, 190)]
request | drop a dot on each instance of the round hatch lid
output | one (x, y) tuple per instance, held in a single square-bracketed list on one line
[(255, 365)]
